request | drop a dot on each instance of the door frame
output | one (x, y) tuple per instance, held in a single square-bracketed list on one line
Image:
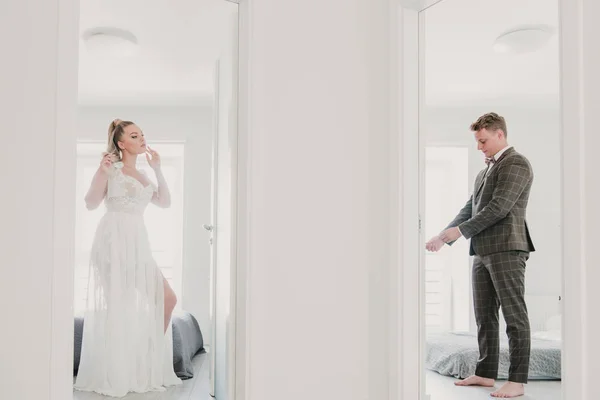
[(409, 382), (61, 307)]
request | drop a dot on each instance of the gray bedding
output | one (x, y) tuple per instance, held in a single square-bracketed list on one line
[(455, 354), (187, 342)]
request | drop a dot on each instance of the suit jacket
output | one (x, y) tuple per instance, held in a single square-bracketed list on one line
[(494, 216)]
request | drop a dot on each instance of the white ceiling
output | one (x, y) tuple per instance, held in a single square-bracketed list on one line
[(461, 66), (179, 43)]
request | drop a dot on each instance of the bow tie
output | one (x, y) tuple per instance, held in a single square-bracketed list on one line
[(489, 161)]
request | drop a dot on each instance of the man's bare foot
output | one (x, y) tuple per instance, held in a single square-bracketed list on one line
[(509, 390), (475, 380)]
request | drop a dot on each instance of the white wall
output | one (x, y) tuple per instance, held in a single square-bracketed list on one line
[(581, 96), (319, 199), (32, 89), (193, 124)]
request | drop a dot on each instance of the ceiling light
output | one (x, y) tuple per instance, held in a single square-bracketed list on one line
[(523, 39), (110, 42)]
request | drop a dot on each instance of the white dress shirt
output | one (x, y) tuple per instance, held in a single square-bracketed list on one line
[(496, 157)]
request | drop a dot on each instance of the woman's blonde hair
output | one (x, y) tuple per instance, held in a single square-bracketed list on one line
[(115, 132)]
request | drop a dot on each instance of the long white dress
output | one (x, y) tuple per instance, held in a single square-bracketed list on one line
[(124, 347)]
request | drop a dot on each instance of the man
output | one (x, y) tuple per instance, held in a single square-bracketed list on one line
[(494, 220)]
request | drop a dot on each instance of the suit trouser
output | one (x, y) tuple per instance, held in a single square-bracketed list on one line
[(499, 281)]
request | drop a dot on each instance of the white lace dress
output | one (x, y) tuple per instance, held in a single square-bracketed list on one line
[(124, 347)]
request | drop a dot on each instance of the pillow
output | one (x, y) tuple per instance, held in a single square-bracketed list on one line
[(547, 335)]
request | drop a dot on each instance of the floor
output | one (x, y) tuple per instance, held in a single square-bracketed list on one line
[(191, 389), (442, 388)]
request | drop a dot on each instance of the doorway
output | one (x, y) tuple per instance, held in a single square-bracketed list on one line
[(188, 116), (546, 302)]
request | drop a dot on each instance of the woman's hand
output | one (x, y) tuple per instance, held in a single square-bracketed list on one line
[(153, 158), (99, 185), (106, 162)]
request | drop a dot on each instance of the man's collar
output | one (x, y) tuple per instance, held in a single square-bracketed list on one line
[(499, 154)]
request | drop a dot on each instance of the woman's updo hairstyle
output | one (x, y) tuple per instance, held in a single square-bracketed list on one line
[(116, 129)]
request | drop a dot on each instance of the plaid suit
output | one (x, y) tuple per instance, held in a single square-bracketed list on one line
[(494, 220)]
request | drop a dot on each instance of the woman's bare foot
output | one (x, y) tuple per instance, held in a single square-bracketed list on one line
[(475, 380), (509, 390)]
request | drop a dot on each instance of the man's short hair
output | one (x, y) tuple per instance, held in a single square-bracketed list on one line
[(491, 122)]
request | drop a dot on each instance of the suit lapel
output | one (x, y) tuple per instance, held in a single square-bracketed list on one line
[(481, 182)]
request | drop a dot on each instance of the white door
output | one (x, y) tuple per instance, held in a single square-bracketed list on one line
[(210, 228), (224, 228)]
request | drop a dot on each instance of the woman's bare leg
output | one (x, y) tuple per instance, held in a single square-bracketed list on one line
[(170, 302)]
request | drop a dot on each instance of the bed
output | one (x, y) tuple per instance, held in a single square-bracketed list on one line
[(456, 353), (187, 343)]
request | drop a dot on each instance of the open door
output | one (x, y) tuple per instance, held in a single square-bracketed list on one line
[(210, 228), (223, 227)]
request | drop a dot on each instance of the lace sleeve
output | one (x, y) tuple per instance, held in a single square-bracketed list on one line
[(115, 182)]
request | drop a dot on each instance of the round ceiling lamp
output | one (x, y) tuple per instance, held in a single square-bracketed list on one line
[(110, 42), (523, 39)]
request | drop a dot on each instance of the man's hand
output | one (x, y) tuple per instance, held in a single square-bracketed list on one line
[(434, 244), (450, 235)]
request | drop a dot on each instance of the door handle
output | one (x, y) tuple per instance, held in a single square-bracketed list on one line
[(209, 228)]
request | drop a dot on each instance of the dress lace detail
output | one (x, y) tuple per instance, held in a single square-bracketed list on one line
[(127, 194), (124, 347)]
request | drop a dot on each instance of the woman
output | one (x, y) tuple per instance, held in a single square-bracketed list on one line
[(127, 340)]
